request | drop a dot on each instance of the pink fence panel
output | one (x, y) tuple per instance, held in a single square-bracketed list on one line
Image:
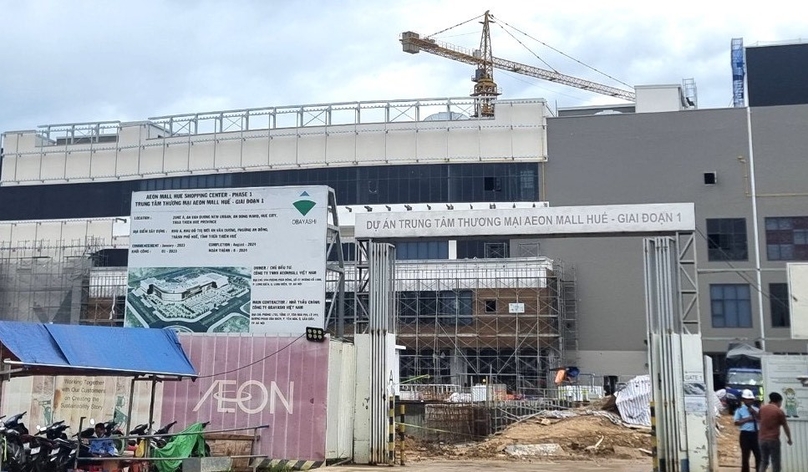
[(248, 381)]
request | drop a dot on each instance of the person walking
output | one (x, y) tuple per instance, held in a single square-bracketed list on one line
[(770, 418), (746, 421)]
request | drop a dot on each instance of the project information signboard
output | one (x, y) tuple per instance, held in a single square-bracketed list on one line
[(228, 260), (504, 221)]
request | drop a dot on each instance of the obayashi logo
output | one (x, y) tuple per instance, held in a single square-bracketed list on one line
[(304, 206)]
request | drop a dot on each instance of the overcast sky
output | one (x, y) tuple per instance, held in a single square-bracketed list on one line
[(81, 61)]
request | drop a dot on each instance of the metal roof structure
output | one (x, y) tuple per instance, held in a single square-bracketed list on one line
[(56, 349)]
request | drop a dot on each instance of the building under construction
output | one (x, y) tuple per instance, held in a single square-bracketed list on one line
[(44, 282), (499, 321), (61, 284), (75, 182), (70, 271)]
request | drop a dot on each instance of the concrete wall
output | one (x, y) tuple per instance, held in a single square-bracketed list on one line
[(662, 157), (517, 133), (611, 308)]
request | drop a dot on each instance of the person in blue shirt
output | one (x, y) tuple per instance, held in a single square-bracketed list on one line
[(102, 444), (746, 420)]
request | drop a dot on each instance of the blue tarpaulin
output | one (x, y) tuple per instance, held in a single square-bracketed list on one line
[(94, 350)]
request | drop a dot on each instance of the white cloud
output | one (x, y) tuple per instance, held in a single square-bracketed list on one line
[(94, 60)]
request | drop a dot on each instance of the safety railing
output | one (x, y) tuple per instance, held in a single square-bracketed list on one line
[(301, 116)]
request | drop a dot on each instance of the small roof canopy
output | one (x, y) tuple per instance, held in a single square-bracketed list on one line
[(57, 349), (744, 350)]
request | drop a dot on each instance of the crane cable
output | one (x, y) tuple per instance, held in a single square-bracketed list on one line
[(560, 52), (455, 26), (527, 48)]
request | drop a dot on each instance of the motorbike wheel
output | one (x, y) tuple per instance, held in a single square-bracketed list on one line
[(14, 458)]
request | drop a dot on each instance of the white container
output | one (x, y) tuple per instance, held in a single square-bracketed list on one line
[(479, 393)]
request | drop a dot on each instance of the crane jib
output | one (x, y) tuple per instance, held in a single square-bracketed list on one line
[(414, 43)]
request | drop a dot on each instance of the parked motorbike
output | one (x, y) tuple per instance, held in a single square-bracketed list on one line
[(16, 444), (50, 449), (53, 431), (143, 430), (45, 454), (63, 456), (15, 423)]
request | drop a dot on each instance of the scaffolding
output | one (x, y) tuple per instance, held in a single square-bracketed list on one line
[(496, 321), (60, 282), (106, 301), (509, 322)]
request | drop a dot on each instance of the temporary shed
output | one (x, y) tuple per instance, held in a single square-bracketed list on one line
[(54, 349), (29, 349)]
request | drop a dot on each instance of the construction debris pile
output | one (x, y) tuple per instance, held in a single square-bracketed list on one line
[(554, 434), (574, 434)]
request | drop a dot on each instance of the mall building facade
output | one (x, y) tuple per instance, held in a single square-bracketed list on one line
[(66, 194)]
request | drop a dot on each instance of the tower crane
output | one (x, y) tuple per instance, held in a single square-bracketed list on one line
[(485, 89)]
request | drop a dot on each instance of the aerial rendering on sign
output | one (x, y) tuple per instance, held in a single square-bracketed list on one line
[(198, 299)]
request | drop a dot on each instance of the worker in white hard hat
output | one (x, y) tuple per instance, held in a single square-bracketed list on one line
[(746, 417)]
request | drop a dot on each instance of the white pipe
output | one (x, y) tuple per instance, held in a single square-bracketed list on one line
[(756, 231)]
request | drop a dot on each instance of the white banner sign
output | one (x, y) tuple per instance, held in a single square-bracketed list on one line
[(798, 298), (651, 218), (228, 260), (780, 375), (47, 399)]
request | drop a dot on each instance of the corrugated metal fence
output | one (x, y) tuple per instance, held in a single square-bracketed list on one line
[(795, 457)]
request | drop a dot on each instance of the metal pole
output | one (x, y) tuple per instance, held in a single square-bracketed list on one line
[(391, 431), (654, 441), (255, 438), (755, 230), (131, 399), (78, 438), (229, 430), (2, 385), (401, 432), (711, 407), (151, 412)]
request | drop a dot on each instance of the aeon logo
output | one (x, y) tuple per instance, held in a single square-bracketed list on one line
[(250, 397)]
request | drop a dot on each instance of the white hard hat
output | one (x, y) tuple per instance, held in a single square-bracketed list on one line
[(747, 394)]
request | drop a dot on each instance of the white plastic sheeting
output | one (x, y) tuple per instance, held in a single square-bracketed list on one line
[(634, 401)]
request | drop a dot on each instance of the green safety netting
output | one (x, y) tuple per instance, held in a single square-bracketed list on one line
[(189, 442)]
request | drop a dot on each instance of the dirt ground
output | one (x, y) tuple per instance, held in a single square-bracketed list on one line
[(586, 439), (473, 466), (480, 465), (729, 449), (580, 437)]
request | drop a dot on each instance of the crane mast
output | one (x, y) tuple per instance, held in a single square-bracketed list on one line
[(485, 89)]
